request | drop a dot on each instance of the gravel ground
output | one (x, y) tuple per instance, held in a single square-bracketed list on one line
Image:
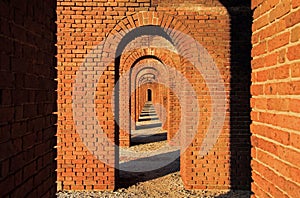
[(167, 186), (162, 182)]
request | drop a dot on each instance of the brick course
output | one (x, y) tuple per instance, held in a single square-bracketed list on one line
[(83, 25), (27, 98), (275, 121), (27, 94)]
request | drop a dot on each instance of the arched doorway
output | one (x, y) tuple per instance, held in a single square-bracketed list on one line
[(149, 95), (185, 78)]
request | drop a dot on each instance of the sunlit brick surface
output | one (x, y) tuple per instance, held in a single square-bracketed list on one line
[(275, 99), (83, 25)]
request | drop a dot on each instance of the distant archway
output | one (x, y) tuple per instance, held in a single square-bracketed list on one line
[(149, 95)]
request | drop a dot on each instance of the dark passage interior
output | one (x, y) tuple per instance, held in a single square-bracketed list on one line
[(149, 95)]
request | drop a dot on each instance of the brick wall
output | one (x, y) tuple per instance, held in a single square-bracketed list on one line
[(27, 98), (275, 98), (82, 25)]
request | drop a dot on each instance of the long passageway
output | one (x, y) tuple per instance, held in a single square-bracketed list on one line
[(148, 127), (149, 156), (150, 167), (137, 179), (150, 150)]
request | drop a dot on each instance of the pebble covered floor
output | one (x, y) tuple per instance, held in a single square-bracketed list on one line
[(163, 182)]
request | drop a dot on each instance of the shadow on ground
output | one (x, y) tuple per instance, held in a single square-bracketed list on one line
[(128, 178), (148, 126), (235, 194), (146, 139)]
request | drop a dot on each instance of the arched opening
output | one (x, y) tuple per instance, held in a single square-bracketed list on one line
[(149, 95), (137, 38), (208, 26), (191, 86), (140, 85)]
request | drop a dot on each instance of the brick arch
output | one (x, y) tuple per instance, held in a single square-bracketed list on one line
[(129, 61), (137, 82), (125, 86), (150, 18), (155, 62), (129, 86), (173, 60), (166, 57), (147, 66), (129, 58), (167, 26), (124, 62), (187, 54), (209, 27), (146, 78), (136, 74), (144, 73), (162, 77)]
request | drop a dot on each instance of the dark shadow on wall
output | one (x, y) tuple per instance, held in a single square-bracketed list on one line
[(240, 69), (28, 98)]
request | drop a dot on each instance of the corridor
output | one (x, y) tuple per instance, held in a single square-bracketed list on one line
[(148, 127), (150, 156)]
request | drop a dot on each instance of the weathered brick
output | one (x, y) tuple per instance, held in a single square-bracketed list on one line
[(278, 41), (80, 28), (293, 52), (282, 8), (293, 18), (295, 34), (276, 115), (123, 15)]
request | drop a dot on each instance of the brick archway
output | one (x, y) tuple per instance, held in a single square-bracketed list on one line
[(181, 65), (27, 164), (175, 56)]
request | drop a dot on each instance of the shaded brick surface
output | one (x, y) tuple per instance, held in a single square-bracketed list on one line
[(27, 98)]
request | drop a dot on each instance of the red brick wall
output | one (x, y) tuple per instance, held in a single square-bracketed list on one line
[(82, 25), (275, 98), (27, 98)]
